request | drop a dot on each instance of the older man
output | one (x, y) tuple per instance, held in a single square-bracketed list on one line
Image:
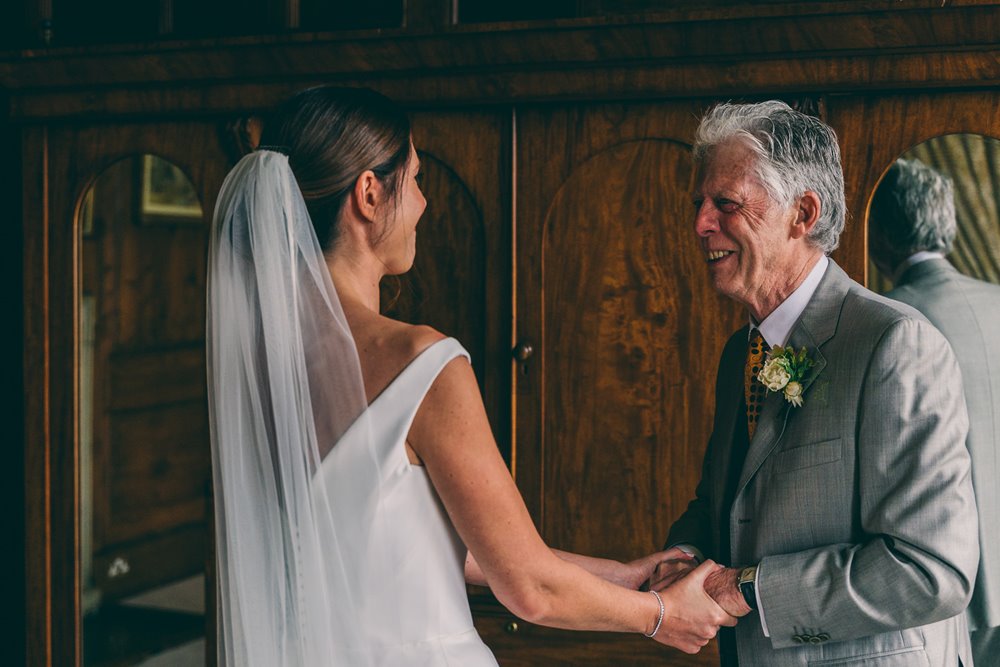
[(840, 490), (912, 227)]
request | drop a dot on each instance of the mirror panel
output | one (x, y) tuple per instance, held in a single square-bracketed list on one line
[(145, 463), (972, 162)]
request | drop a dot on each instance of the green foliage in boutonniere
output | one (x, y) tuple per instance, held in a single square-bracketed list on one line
[(783, 371)]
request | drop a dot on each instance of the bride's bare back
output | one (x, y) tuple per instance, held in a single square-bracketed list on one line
[(385, 348)]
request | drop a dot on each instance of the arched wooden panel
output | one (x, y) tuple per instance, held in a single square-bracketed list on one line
[(615, 407), (623, 385)]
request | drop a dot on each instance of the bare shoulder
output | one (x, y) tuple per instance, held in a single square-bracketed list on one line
[(387, 346), (456, 376), (418, 337)]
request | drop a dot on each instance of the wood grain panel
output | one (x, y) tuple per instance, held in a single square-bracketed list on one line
[(874, 130), (625, 372), (727, 77), (149, 378), (160, 470), (520, 644), (616, 289), (752, 33), (150, 466)]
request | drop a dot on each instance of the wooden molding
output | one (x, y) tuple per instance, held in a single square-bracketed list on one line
[(609, 58)]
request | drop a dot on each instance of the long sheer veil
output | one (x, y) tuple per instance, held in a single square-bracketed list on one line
[(284, 385)]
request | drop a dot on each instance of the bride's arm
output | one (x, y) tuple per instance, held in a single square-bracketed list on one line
[(451, 435), (628, 575)]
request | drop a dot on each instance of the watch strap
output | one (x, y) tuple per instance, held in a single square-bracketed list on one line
[(747, 582)]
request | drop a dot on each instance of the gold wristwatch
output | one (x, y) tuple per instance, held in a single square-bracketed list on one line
[(747, 582)]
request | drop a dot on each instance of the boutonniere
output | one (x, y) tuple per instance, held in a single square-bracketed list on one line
[(783, 371)]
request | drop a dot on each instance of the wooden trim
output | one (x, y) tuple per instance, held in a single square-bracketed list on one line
[(61, 341), (38, 542), (600, 60), (848, 74)]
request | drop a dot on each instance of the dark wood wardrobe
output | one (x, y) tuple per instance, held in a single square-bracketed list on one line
[(557, 245)]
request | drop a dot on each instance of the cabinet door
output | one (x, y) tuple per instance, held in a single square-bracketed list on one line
[(614, 407), (118, 420), (460, 281)]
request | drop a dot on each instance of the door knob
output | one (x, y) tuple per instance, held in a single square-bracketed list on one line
[(523, 350)]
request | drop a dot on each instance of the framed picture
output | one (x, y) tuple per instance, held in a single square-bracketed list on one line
[(167, 195)]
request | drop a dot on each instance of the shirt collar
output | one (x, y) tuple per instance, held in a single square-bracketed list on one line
[(777, 327), (915, 258)]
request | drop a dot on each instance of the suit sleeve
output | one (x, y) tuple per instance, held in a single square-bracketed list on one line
[(917, 552), (695, 526)]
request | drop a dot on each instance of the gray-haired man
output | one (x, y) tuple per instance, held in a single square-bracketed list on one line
[(912, 227), (836, 481)]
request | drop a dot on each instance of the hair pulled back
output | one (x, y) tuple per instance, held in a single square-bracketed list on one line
[(332, 135)]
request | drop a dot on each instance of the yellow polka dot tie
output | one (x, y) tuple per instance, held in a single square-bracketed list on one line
[(752, 387)]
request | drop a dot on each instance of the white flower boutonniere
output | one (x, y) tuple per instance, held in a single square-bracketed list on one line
[(783, 371)]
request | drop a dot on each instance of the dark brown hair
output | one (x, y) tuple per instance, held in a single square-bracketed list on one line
[(331, 136)]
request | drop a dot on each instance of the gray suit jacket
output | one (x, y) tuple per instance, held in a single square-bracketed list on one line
[(858, 506), (967, 312)]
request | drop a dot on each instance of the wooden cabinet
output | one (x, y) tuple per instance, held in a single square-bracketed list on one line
[(556, 246), (146, 469), (613, 411)]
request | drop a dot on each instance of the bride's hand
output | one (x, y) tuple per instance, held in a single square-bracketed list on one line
[(670, 570), (691, 617), (642, 570)]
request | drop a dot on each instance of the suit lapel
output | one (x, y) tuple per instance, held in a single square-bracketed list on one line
[(730, 400), (815, 327)]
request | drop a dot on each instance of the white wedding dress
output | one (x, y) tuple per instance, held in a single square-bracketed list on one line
[(332, 549), (414, 608)]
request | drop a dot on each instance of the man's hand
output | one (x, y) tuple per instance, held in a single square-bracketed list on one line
[(641, 573), (724, 588)]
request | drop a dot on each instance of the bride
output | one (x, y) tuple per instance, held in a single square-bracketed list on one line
[(357, 483)]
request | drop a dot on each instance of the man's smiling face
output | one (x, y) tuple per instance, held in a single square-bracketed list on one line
[(744, 233)]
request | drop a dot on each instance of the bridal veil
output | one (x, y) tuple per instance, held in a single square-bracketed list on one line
[(284, 384)]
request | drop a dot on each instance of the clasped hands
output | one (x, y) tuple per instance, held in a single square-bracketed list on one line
[(699, 598), (721, 584)]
